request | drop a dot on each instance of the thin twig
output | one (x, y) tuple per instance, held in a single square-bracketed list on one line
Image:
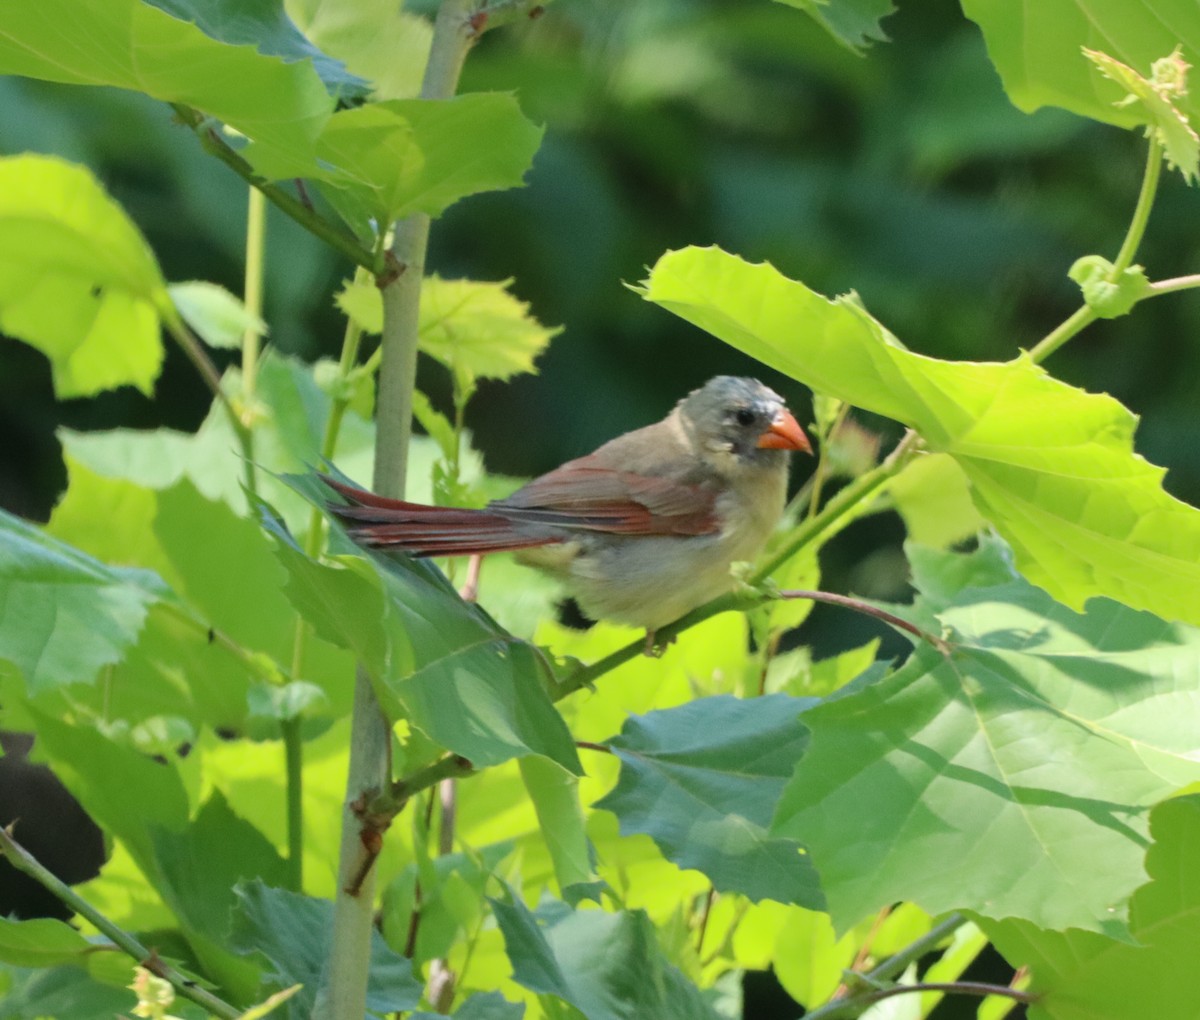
[(331, 233), (853, 1005), (859, 606), (25, 862)]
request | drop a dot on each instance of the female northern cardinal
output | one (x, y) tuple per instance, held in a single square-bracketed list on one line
[(642, 530)]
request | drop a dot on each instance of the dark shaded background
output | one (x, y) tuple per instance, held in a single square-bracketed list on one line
[(904, 174)]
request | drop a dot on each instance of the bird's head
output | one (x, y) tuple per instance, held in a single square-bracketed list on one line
[(732, 415)]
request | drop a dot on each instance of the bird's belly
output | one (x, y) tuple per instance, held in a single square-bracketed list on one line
[(650, 581)]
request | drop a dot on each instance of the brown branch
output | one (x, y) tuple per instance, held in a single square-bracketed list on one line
[(867, 609)]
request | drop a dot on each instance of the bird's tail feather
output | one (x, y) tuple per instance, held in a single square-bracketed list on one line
[(424, 530)]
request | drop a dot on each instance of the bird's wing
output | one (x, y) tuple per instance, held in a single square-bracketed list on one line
[(591, 495)]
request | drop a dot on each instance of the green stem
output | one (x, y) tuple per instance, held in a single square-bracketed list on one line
[(293, 761), (1081, 318), (199, 358), (332, 234), (1085, 316), (252, 289), (1141, 212), (343, 994), (25, 862)]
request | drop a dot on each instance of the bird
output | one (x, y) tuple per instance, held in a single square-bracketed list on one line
[(640, 531)]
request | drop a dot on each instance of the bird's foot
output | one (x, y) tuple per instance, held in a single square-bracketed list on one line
[(654, 648)]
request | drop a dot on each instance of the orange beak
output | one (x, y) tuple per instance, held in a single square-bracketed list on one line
[(784, 434)]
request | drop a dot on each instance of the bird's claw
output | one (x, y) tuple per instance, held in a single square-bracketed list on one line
[(654, 648)]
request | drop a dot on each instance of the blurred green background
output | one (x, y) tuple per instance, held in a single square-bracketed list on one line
[(904, 174)]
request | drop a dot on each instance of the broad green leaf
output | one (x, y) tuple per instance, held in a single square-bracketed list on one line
[(375, 38), (216, 315), (809, 958), (293, 410), (440, 662), (477, 330), (78, 280), (1037, 48), (480, 330), (1045, 735), (934, 498), (129, 795), (853, 23), (233, 581), (63, 615), (133, 45), (608, 966), (266, 26), (292, 933), (1050, 466), (484, 1006), (555, 796), (197, 871), (1080, 975), (703, 780), (42, 942), (405, 156), (64, 992)]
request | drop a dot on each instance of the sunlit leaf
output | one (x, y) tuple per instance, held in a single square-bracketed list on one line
[(1036, 47), (375, 38), (1050, 835), (1079, 975), (78, 280), (703, 780), (217, 316), (1052, 467), (133, 45), (267, 27), (934, 497)]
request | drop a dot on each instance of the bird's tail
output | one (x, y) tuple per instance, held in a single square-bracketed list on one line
[(422, 530)]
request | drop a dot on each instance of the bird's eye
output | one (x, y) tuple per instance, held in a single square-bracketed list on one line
[(745, 416)]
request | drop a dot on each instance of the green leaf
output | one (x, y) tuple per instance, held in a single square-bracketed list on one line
[(440, 662), (608, 966), (480, 330), (63, 615), (477, 330), (1045, 736), (375, 38), (853, 23), (555, 796), (405, 156), (934, 497), (484, 1006), (1050, 466), (64, 992), (1107, 297), (1155, 101), (292, 933), (265, 25), (702, 780), (42, 942), (132, 45), (1036, 47), (1080, 975), (217, 316), (129, 795), (79, 282), (197, 870)]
